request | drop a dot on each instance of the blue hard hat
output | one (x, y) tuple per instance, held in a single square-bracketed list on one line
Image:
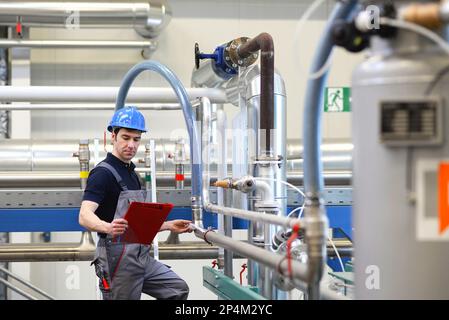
[(129, 118)]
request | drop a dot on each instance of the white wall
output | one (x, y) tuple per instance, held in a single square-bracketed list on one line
[(209, 23)]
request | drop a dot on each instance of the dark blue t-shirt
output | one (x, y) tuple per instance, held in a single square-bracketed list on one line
[(102, 187)]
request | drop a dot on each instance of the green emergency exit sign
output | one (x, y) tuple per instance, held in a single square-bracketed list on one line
[(337, 99)]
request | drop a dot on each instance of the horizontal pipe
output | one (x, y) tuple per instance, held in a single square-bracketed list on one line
[(84, 106), (67, 252), (149, 18), (102, 94), (271, 260), (57, 155), (76, 44), (19, 291), (84, 251), (255, 216), (55, 179), (26, 283)]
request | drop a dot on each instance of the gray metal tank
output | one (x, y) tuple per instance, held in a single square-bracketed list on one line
[(399, 97)]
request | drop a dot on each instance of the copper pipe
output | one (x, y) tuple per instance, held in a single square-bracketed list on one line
[(264, 43), (424, 14)]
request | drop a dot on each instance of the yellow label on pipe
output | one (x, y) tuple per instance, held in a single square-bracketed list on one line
[(84, 174)]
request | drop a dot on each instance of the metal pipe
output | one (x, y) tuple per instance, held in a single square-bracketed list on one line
[(56, 155), (84, 251), (181, 94), (313, 178), (179, 159), (264, 43), (25, 282), (255, 216), (272, 260), (227, 226), (149, 18), (83, 106), (77, 44), (167, 251), (55, 179), (83, 156), (47, 94), (19, 291), (222, 172)]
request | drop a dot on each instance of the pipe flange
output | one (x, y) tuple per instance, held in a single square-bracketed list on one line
[(232, 52)]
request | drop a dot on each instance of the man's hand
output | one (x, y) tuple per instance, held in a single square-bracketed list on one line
[(177, 226), (118, 227)]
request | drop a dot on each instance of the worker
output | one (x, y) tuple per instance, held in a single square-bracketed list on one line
[(125, 270)]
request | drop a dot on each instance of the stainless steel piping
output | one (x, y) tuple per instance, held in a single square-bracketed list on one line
[(55, 179), (56, 155), (149, 18), (26, 283), (77, 44), (271, 260), (19, 291), (84, 251), (47, 94), (84, 106)]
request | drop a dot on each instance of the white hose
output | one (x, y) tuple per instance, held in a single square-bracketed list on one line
[(336, 252), (417, 29), (301, 208), (284, 182), (299, 31)]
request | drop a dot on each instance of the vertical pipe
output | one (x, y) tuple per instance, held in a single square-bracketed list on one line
[(228, 255), (313, 177), (148, 173), (153, 191), (264, 43), (222, 168), (4, 128), (179, 159), (84, 160)]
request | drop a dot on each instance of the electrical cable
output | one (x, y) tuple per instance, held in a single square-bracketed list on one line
[(300, 26), (417, 29)]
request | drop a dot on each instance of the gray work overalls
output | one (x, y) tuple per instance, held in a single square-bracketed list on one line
[(125, 270)]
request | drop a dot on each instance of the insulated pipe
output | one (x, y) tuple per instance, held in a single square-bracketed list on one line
[(148, 18), (83, 106), (54, 179), (102, 94), (180, 91), (313, 177), (264, 43), (77, 44), (271, 260), (239, 213)]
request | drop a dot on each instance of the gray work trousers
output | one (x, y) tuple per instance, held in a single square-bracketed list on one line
[(129, 270)]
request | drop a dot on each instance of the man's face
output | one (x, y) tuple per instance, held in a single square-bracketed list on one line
[(126, 143)]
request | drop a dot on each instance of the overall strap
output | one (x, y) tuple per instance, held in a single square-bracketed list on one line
[(115, 174)]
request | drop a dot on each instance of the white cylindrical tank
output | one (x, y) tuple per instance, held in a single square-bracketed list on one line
[(399, 97)]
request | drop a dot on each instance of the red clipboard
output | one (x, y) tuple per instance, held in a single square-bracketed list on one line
[(144, 221)]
